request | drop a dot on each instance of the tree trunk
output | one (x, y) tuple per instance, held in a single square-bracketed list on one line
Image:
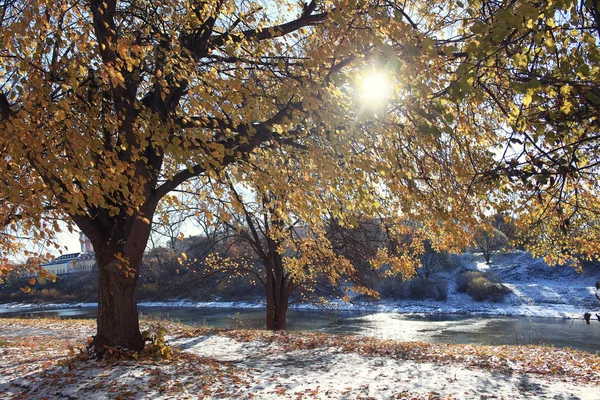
[(119, 258), (278, 295), (118, 321), (487, 255), (276, 312)]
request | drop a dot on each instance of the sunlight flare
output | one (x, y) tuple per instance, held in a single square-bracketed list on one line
[(374, 87)]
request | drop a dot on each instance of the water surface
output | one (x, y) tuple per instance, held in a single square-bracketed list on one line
[(436, 328)]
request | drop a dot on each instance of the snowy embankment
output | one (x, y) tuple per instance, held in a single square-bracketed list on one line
[(537, 290), (35, 364)]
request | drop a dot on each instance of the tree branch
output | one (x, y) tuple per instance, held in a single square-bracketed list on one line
[(5, 110), (249, 138), (200, 47)]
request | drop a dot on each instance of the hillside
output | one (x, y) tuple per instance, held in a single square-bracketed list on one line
[(536, 289)]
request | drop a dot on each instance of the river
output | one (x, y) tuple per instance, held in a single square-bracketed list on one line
[(437, 328)]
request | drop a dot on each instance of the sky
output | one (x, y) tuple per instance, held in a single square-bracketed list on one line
[(70, 240)]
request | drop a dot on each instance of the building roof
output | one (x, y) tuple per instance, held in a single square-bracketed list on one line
[(65, 258)]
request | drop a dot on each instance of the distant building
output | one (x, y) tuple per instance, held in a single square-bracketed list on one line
[(74, 262), (71, 263), (86, 244)]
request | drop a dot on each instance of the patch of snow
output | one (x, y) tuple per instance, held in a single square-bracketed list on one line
[(323, 373)]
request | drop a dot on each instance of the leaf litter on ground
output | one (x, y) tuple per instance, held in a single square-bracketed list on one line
[(42, 358)]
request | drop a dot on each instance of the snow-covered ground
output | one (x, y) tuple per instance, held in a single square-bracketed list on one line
[(328, 373), (537, 290), (263, 365)]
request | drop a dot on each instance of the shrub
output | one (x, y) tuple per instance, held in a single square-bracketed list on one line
[(440, 289), (13, 296), (391, 287), (481, 286), (481, 289), (239, 289), (156, 347), (149, 291), (50, 294), (465, 278), (419, 289), (83, 286)]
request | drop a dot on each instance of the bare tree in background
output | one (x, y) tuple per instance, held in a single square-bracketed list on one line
[(490, 241)]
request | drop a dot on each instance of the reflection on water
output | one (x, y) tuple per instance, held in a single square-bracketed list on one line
[(445, 328)]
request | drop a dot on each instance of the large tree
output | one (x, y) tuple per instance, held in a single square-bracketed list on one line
[(108, 106)]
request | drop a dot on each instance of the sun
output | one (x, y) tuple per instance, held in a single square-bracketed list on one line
[(374, 87)]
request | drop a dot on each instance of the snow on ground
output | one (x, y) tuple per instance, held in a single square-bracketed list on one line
[(262, 365), (537, 290), (325, 373)]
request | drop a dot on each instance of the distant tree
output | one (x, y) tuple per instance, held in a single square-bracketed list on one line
[(168, 223), (374, 237), (507, 226), (159, 265), (278, 250), (431, 261), (359, 243), (490, 241)]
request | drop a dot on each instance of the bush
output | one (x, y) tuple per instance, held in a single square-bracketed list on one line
[(391, 287), (464, 280), (441, 290), (82, 286), (419, 289), (481, 289), (50, 294), (149, 291), (481, 286)]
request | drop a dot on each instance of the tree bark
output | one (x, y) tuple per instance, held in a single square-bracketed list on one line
[(118, 321), (278, 295), (119, 246), (277, 305)]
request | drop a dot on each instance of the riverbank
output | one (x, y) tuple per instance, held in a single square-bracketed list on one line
[(536, 290), (459, 305), (38, 362)]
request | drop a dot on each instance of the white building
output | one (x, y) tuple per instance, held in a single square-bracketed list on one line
[(74, 262), (86, 245)]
